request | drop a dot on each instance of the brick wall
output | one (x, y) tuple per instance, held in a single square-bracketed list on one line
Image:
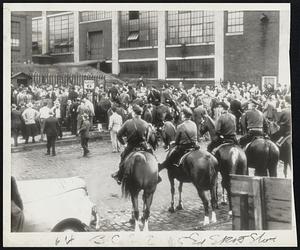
[(105, 27), (254, 54)]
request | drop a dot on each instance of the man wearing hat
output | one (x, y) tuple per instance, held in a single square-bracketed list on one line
[(185, 138), (254, 122), (84, 134), (30, 116), (284, 121), (51, 129), (225, 128), (136, 132)]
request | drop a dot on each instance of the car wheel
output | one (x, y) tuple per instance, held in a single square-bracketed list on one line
[(70, 227)]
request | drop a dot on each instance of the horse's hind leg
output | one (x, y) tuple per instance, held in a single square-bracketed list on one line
[(214, 202), (180, 206), (134, 199), (171, 208), (204, 199), (147, 204)]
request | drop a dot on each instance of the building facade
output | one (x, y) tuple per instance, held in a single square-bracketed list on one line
[(191, 46)]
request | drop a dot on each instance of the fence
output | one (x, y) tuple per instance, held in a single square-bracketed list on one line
[(66, 79), (261, 203)]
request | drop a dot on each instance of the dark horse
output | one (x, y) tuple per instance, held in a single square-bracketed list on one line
[(141, 173), (263, 155), (200, 168), (232, 159)]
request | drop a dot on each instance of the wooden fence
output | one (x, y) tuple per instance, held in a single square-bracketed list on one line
[(66, 79), (261, 203)]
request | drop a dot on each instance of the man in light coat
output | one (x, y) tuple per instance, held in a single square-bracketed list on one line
[(115, 123)]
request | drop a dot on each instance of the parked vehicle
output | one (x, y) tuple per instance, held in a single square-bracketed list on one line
[(57, 205)]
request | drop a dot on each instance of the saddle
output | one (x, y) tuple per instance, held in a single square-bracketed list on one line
[(186, 153), (228, 142), (144, 146)]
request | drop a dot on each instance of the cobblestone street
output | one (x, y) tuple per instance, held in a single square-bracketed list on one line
[(115, 211)]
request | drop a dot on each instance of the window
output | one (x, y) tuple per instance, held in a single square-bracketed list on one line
[(86, 16), (133, 15), (235, 22), (61, 34), (190, 27), (138, 32), (15, 35), (199, 68), (134, 69), (37, 36)]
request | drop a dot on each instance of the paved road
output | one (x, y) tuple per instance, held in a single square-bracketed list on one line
[(114, 210)]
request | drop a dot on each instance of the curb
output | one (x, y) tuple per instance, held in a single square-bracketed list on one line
[(62, 142)]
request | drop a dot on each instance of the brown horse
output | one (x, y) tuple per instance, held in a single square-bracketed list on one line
[(232, 159), (263, 155), (200, 168), (141, 173)]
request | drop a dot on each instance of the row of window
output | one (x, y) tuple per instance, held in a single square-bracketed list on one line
[(200, 68), (137, 28)]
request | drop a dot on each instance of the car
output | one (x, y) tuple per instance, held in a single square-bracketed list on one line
[(57, 205)]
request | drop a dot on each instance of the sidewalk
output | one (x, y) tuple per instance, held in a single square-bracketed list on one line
[(67, 139)]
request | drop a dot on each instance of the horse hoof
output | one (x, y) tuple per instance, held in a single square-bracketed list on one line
[(171, 209), (206, 220), (179, 207)]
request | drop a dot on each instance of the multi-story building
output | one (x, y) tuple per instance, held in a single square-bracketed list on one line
[(190, 46)]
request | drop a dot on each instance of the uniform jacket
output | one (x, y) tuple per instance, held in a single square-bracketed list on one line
[(284, 119), (51, 126), (226, 125), (186, 133), (199, 113), (135, 130), (254, 119)]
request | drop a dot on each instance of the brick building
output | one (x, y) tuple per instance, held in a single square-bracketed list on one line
[(191, 46)]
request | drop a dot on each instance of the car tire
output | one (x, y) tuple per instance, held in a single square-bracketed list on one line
[(69, 227)]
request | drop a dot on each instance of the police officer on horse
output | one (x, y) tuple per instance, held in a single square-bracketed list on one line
[(254, 122), (136, 131), (185, 139), (225, 128)]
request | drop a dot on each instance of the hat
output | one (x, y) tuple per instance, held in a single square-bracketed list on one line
[(187, 112), (224, 105), (288, 99), (137, 109)]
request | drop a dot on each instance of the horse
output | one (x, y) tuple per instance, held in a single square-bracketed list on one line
[(231, 158), (200, 168), (262, 155), (141, 173)]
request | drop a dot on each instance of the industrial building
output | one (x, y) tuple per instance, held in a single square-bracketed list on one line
[(199, 47)]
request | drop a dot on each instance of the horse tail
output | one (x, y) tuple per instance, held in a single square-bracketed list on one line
[(129, 183)]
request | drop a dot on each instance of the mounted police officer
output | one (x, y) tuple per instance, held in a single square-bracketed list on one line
[(136, 131), (225, 128), (284, 121), (185, 138), (254, 123)]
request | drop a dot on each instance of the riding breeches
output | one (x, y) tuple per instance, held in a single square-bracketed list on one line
[(244, 140), (176, 154)]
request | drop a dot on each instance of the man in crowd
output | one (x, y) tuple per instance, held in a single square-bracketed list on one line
[(185, 139), (51, 129), (199, 113), (115, 123), (84, 134), (237, 111), (113, 92), (91, 111), (57, 114), (44, 114), (16, 123), (73, 115), (30, 116)]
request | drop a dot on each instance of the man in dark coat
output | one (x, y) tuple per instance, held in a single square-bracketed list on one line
[(154, 96), (237, 111), (51, 130), (113, 93), (72, 94), (199, 113), (73, 115), (84, 134), (16, 123)]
